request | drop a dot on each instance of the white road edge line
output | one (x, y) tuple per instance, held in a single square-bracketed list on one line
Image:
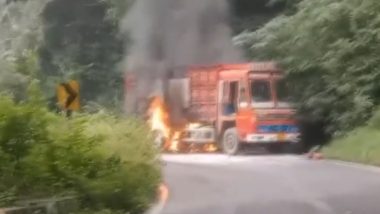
[(354, 165)]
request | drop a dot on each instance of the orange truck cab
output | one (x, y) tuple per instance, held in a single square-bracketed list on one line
[(238, 105)]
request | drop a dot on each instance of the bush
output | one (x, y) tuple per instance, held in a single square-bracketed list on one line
[(21, 128), (108, 162), (130, 176)]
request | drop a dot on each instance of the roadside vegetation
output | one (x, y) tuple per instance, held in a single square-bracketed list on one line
[(361, 145), (107, 162), (330, 52)]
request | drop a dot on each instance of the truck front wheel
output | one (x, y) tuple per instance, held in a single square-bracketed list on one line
[(231, 144)]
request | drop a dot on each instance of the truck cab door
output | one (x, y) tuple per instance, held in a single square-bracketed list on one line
[(244, 116), (229, 98)]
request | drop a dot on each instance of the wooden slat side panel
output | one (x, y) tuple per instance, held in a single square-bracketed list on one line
[(207, 78), (203, 93)]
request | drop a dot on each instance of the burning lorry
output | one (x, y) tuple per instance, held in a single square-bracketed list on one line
[(226, 107)]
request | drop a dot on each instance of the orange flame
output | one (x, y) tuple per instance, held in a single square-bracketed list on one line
[(174, 141), (159, 121), (193, 125), (210, 148), (159, 117)]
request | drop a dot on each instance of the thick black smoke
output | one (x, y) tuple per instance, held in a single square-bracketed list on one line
[(170, 33)]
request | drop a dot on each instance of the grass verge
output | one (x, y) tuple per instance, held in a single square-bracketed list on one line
[(361, 145)]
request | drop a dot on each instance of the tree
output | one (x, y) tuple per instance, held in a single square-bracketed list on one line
[(19, 38), (249, 15), (330, 51), (21, 19), (82, 42)]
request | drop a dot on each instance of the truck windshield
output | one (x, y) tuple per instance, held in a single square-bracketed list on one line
[(260, 90), (282, 90)]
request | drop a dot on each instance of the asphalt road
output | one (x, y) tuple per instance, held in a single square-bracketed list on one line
[(217, 184)]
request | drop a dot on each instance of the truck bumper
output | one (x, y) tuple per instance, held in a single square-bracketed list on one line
[(204, 135), (273, 138)]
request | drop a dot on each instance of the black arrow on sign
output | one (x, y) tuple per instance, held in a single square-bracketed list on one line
[(72, 94)]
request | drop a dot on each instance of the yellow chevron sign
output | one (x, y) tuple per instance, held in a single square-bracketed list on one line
[(68, 95)]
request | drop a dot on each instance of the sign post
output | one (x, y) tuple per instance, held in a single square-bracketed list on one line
[(68, 96)]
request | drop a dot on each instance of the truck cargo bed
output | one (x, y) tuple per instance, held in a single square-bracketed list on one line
[(204, 93)]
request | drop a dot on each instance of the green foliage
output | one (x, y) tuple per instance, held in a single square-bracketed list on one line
[(249, 15), (108, 162), (27, 64), (290, 5), (21, 27), (20, 37), (15, 76), (84, 45), (57, 40), (329, 50), (374, 122), (125, 142), (104, 211), (21, 127), (360, 145)]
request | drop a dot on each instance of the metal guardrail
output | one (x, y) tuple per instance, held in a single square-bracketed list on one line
[(62, 205)]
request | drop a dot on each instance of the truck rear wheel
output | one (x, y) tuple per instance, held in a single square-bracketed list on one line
[(231, 144)]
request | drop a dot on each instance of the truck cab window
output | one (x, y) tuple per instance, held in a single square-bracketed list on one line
[(282, 90), (230, 95), (260, 90)]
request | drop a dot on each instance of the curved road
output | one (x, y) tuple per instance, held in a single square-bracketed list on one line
[(218, 184)]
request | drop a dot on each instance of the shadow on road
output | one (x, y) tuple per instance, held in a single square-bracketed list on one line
[(275, 149)]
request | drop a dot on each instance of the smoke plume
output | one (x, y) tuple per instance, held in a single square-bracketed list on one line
[(165, 34)]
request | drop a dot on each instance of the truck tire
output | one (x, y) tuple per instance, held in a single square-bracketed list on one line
[(230, 143)]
